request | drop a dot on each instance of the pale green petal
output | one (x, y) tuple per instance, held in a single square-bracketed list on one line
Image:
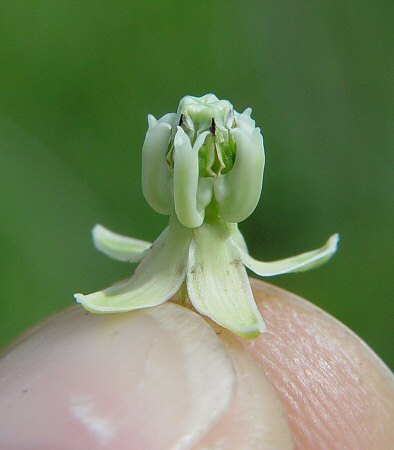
[(156, 174), (239, 190), (237, 236), (118, 247), (217, 283), (204, 192), (157, 278), (300, 263), (170, 118), (186, 180), (244, 121)]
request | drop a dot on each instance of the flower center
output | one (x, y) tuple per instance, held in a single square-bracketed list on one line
[(208, 113)]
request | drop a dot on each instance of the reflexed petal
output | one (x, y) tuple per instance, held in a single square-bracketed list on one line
[(237, 236), (239, 190), (156, 174), (217, 282), (158, 277), (186, 179), (118, 247), (299, 263)]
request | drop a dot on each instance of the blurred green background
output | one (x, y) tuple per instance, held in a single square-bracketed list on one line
[(77, 80)]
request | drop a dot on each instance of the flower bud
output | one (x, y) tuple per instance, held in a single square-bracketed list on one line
[(205, 155)]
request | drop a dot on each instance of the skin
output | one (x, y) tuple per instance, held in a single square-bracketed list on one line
[(164, 378)]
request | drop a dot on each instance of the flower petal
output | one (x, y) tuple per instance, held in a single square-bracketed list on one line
[(170, 118), (158, 277), (186, 180), (156, 174), (244, 121), (237, 236), (118, 247), (299, 263), (239, 190), (217, 282)]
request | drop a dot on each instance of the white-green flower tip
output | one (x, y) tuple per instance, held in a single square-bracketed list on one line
[(203, 166), (205, 155)]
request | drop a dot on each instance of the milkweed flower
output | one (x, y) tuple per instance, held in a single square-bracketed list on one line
[(203, 166)]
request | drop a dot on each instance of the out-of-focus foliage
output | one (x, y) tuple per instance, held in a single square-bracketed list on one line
[(78, 80)]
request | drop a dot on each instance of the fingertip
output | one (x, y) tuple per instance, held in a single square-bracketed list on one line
[(336, 391)]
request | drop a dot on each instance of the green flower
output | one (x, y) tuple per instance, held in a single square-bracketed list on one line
[(203, 166)]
